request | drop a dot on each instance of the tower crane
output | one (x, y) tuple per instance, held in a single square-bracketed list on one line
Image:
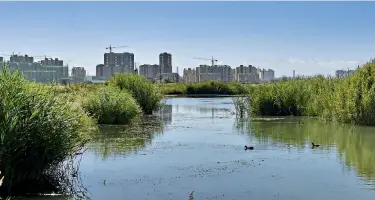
[(19, 54), (211, 59), (111, 47), (44, 56)]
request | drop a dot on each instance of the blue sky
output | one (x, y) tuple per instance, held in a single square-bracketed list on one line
[(309, 37)]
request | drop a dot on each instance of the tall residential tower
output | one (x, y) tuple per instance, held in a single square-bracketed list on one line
[(165, 62), (124, 60)]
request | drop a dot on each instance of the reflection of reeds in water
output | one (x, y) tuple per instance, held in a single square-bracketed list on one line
[(165, 113), (119, 140), (242, 105), (355, 145), (214, 112)]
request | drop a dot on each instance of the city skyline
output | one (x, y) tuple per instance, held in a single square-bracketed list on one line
[(309, 37)]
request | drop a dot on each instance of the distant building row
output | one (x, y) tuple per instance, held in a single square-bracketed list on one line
[(344, 73), (124, 63), (48, 70), (224, 73), (44, 71)]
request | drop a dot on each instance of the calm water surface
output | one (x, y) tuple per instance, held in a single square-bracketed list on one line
[(197, 145)]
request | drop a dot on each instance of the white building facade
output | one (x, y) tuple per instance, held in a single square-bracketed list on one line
[(221, 73), (247, 74), (79, 72), (149, 71), (189, 75), (267, 75), (344, 73)]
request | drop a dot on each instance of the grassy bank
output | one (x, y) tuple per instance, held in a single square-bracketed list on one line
[(39, 132), (348, 100), (204, 88)]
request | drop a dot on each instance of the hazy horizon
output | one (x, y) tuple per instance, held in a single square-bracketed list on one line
[(309, 37)]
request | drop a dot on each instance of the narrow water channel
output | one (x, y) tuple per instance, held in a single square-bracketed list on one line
[(197, 145)]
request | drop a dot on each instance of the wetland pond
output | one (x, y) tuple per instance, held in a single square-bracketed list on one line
[(196, 144)]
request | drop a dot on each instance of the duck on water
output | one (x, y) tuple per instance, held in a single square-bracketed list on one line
[(314, 145), (249, 147)]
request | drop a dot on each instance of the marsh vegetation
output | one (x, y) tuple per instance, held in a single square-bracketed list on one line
[(348, 100)]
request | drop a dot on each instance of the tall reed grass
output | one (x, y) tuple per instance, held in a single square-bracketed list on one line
[(146, 94), (38, 132), (348, 100), (112, 106)]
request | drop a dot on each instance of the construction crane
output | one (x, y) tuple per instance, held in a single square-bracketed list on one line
[(13, 54), (19, 54), (211, 59), (111, 47), (44, 56)]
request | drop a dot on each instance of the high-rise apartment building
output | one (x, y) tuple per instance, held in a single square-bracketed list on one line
[(267, 75), (247, 74), (125, 60), (39, 72), (52, 62), (220, 73), (79, 72), (189, 75), (233, 75), (149, 71), (343, 73), (99, 70), (165, 62), (21, 59), (116, 63), (1, 59)]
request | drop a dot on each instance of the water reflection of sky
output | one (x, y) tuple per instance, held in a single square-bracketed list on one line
[(198, 145)]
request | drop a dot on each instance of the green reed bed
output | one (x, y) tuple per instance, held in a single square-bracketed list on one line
[(204, 88), (172, 88), (348, 100), (44, 126), (105, 104), (111, 106), (147, 95), (39, 132)]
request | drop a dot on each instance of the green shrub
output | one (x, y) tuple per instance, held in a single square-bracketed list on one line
[(112, 106), (211, 87), (172, 88), (38, 132), (147, 95)]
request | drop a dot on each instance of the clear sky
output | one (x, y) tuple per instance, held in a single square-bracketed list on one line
[(310, 37)]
